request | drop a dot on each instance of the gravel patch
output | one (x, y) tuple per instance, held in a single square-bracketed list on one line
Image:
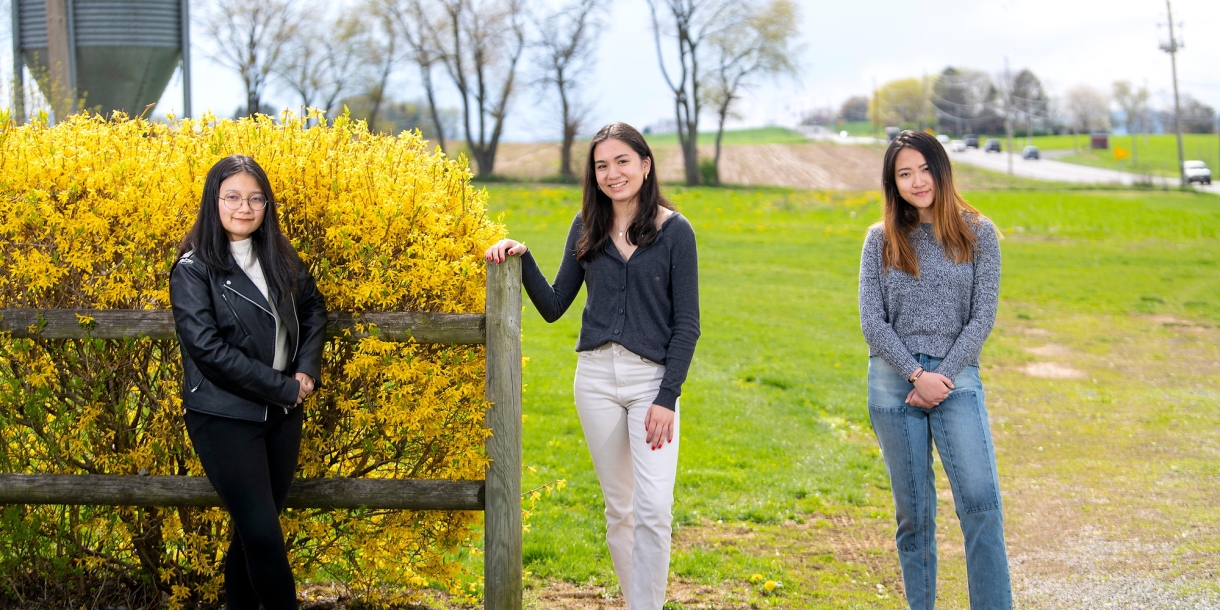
[(1098, 573)]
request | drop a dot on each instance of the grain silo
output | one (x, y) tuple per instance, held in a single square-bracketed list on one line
[(113, 54)]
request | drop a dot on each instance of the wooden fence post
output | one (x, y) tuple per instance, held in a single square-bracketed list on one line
[(502, 515)]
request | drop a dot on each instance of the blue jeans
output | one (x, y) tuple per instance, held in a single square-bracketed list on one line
[(959, 428)]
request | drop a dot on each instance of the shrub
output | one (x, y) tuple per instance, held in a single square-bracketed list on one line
[(91, 212), (709, 172)]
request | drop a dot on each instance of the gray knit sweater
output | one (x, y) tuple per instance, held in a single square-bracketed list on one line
[(946, 313)]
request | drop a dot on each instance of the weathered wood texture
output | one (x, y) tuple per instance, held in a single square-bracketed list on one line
[(446, 328), (128, 490), (502, 519)]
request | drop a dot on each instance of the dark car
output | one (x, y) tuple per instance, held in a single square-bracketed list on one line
[(971, 140), (1030, 152), (992, 145)]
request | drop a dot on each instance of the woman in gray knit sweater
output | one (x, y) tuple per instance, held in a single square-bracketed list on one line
[(929, 284)]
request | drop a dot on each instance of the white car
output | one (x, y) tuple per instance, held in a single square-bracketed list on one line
[(1196, 171), (943, 139), (957, 146)]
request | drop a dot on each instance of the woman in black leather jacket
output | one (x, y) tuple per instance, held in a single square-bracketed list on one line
[(251, 324)]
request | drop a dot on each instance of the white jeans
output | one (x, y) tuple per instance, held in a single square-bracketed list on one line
[(614, 389)]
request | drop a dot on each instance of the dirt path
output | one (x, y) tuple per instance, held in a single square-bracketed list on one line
[(812, 165), (816, 165)]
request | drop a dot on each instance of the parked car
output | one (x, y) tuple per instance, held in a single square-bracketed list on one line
[(971, 140), (943, 139), (957, 146), (1197, 171), (992, 145), (1030, 152)]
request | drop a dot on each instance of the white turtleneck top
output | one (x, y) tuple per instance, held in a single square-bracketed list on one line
[(243, 252)]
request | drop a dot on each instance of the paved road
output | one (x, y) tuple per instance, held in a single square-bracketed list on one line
[(1058, 171)]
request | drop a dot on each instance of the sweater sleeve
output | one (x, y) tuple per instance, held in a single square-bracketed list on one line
[(552, 300), (684, 280), (984, 298), (878, 331)]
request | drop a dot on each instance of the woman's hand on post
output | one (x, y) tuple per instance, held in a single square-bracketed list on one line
[(659, 423), (932, 389), (504, 249), (306, 386)]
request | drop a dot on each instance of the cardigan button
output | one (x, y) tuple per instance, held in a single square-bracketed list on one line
[(616, 331), (620, 311)]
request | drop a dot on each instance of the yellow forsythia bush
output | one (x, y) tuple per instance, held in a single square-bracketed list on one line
[(91, 213)]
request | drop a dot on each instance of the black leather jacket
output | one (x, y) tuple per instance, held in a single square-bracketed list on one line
[(227, 334)]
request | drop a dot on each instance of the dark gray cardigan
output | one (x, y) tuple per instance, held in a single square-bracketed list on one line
[(649, 304)]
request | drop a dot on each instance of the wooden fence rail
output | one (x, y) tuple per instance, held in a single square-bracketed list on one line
[(499, 495)]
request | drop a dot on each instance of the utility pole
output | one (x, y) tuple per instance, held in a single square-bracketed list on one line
[(1172, 47), (1008, 118)]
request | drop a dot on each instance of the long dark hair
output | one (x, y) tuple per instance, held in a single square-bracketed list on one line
[(211, 244), (948, 225), (597, 212)]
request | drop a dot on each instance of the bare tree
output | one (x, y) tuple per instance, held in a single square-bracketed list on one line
[(482, 42), (1134, 103), (322, 63), (761, 45), (1029, 100), (961, 98), (1088, 109), (565, 41), (855, 109), (251, 37), (689, 23), (419, 26), (381, 53)]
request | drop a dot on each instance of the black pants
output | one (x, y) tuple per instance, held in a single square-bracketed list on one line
[(251, 465)]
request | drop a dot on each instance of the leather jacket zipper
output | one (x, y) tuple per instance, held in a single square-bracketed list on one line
[(235, 316), (252, 301), (297, 320)]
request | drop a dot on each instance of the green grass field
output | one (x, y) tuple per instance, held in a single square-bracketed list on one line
[(776, 450), (760, 135)]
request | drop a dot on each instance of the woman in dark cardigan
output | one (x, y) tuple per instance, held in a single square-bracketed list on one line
[(637, 258)]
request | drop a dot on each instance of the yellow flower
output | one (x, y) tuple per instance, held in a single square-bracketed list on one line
[(770, 585), (756, 578), (91, 214)]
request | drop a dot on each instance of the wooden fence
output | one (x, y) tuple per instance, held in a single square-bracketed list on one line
[(499, 495)]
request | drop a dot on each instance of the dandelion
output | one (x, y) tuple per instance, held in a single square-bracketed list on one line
[(756, 578), (770, 586)]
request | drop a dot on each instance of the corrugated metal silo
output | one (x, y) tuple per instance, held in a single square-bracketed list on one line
[(123, 52)]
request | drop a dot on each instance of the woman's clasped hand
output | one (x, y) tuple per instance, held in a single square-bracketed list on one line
[(931, 389)]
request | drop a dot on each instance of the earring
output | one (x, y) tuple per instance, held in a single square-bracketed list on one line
[(645, 176)]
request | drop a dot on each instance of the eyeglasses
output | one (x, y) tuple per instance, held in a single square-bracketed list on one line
[(234, 201)]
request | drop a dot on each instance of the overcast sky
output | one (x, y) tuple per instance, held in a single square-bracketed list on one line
[(846, 47)]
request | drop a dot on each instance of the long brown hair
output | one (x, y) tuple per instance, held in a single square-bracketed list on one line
[(597, 212), (950, 226)]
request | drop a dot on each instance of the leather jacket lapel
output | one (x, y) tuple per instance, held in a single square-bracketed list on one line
[(241, 283)]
